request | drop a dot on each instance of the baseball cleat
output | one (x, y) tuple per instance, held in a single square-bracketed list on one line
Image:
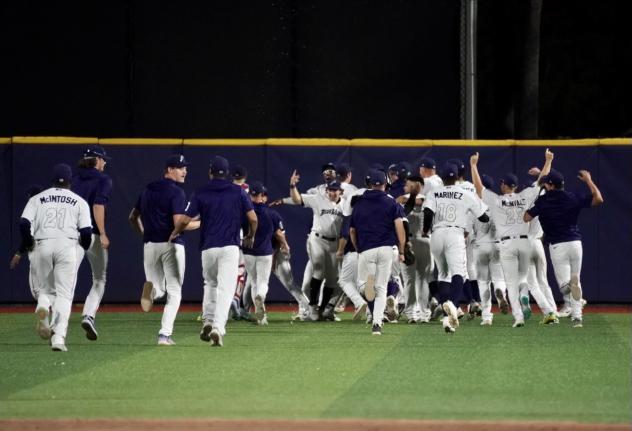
[(146, 300), (436, 313), (550, 318), (449, 329), (369, 288), (43, 326), (502, 301), (376, 329), (452, 314), (217, 340), (459, 313), (583, 302), (165, 340), (474, 309), (564, 312), (359, 312), (526, 308), (89, 326), (260, 308), (391, 308), (312, 314), (486, 322), (57, 344), (518, 324), (205, 333), (577, 323), (263, 321)]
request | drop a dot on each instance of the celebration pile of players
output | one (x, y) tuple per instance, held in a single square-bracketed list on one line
[(414, 244)]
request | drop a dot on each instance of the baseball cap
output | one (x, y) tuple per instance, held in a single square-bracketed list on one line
[(459, 165), (93, 151), (343, 170), (328, 167), (427, 162), (238, 172), (375, 178), (257, 188), (509, 179), (488, 182), (61, 173), (176, 161), (555, 178), (404, 170), (334, 185), (449, 170), (219, 165)]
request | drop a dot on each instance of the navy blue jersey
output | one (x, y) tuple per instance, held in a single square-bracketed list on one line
[(94, 187), (373, 219), (558, 211), (397, 188), (344, 233), (221, 206), (277, 222), (157, 204), (265, 232)]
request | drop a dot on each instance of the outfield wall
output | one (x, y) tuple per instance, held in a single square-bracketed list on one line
[(26, 161)]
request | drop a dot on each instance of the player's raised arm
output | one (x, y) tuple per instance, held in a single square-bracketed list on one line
[(548, 161), (585, 177), (294, 194), (476, 177)]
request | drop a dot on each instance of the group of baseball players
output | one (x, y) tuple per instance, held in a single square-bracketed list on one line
[(411, 243)]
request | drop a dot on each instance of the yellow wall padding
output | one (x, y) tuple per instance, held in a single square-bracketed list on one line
[(318, 142)]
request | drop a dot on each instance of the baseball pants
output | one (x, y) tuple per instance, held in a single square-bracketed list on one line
[(322, 255), (348, 280), (259, 269), (377, 262), (98, 259), (283, 271), (566, 258), (164, 264), (57, 261), (220, 267), (489, 270), (447, 246), (537, 273), (416, 278)]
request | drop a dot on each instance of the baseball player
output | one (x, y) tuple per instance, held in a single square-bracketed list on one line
[(348, 278), (398, 173), (221, 206), (95, 187), (323, 240), (376, 226), (345, 174), (558, 211), (57, 218), (259, 258), (515, 246), (487, 260), (446, 210), (159, 207)]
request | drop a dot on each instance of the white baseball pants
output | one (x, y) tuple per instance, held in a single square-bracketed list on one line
[(57, 261), (220, 267), (566, 258), (348, 280), (164, 264), (537, 274), (98, 259), (258, 269), (377, 262), (488, 270), (322, 255), (469, 258), (416, 278), (283, 271), (447, 246)]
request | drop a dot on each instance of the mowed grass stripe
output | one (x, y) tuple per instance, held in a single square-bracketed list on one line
[(328, 370)]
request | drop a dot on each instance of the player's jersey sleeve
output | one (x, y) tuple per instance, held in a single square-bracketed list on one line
[(178, 202), (246, 202), (104, 190), (277, 220), (488, 197), (475, 205), (310, 201), (531, 194), (534, 211), (83, 215), (398, 211), (430, 202), (584, 201), (29, 210), (193, 209)]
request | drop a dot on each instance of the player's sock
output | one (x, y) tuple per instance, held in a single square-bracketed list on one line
[(467, 291), (391, 288), (456, 287), (476, 294), (370, 304), (327, 292), (314, 291), (443, 291), (433, 287)]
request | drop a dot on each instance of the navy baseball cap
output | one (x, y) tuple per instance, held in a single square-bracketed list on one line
[(334, 185), (509, 179), (427, 162), (257, 188), (328, 167), (93, 151), (343, 170), (219, 165), (404, 170), (392, 167), (375, 178), (555, 178), (488, 182), (176, 161), (459, 165), (61, 173), (238, 172), (449, 170)]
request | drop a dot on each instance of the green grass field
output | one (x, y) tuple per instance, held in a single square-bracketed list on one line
[(321, 370)]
